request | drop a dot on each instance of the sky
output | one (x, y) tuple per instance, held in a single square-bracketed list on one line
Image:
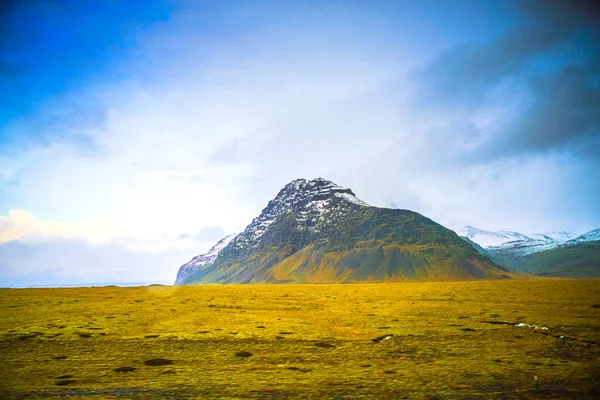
[(135, 135)]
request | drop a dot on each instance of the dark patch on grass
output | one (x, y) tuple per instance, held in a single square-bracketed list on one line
[(170, 371), (65, 382), (243, 354), (124, 369), (286, 333), (25, 337), (384, 327), (155, 362), (203, 332), (365, 365), (59, 358), (64, 377), (85, 335), (299, 369), (389, 372), (151, 336), (325, 345), (595, 305), (498, 322), (233, 333), (260, 327), (279, 337), (468, 329)]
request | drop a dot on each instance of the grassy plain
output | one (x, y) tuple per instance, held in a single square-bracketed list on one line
[(407, 340)]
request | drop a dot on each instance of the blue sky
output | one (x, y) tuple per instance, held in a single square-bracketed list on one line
[(145, 131)]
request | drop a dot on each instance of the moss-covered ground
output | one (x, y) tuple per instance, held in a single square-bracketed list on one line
[(408, 340)]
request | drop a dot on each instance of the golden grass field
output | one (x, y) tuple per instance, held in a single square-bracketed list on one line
[(446, 341)]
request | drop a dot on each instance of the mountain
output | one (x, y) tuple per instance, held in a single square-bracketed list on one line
[(550, 254), (315, 231)]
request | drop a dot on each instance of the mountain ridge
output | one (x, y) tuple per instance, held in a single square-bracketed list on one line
[(560, 254)]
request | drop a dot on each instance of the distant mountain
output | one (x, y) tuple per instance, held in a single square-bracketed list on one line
[(318, 232), (591, 236), (573, 259), (551, 254), (489, 238)]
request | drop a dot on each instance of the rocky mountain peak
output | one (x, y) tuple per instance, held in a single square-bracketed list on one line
[(300, 191), (312, 202)]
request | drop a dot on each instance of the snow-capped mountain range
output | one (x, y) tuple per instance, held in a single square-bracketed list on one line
[(525, 243)]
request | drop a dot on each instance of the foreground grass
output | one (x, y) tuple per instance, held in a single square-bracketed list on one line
[(417, 340)]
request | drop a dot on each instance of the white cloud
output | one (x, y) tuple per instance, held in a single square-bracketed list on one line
[(21, 225)]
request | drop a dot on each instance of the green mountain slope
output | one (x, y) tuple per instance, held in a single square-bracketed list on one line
[(581, 260), (317, 232)]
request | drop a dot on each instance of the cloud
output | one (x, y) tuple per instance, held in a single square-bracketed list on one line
[(210, 234), (532, 90), (563, 15), (75, 261), (563, 115), (21, 225)]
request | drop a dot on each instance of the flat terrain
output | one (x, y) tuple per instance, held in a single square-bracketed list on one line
[(464, 340)]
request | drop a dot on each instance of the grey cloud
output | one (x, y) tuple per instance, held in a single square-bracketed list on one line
[(464, 74), (562, 114), (565, 114), (564, 15)]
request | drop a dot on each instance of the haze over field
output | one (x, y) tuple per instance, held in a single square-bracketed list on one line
[(134, 138)]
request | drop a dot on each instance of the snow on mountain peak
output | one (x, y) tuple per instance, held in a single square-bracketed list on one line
[(525, 244), (590, 236), (489, 238), (310, 198)]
